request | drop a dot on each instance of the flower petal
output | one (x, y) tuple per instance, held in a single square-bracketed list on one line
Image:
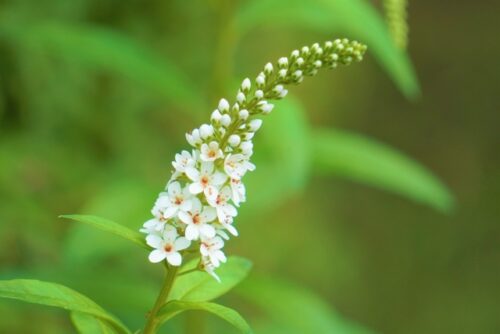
[(174, 259), (157, 256)]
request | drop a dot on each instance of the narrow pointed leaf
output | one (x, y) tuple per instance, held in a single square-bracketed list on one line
[(87, 324), (200, 286), (364, 160), (111, 227), (56, 295), (356, 18), (175, 307)]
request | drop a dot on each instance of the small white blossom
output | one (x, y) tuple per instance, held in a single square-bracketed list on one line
[(238, 191), (153, 226), (211, 248), (211, 151), (167, 246), (171, 202), (282, 73), (209, 268), (261, 79), (236, 165), (183, 161), (225, 211), (259, 94), (265, 107), (205, 180), (197, 219)]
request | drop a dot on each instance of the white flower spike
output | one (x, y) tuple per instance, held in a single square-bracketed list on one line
[(199, 203)]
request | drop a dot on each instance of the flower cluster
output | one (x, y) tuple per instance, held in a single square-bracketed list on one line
[(196, 211)]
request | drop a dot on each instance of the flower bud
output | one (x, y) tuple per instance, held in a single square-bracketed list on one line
[(255, 124), (246, 147), (225, 120), (206, 131), (249, 136), (259, 94), (243, 114), (246, 85), (283, 62), (240, 97), (282, 73), (261, 80), (223, 106), (266, 107), (234, 140), (215, 116), (268, 69)]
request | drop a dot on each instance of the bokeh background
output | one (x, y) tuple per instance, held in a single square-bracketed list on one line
[(345, 224)]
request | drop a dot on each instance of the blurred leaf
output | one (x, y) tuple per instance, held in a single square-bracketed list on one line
[(104, 49), (87, 324), (283, 131), (122, 200), (295, 309), (356, 18), (365, 160), (175, 307), (200, 286), (111, 227), (53, 294)]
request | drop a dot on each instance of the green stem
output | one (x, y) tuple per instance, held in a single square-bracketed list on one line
[(152, 321)]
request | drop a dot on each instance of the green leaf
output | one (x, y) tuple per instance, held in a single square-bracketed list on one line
[(106, 49), (56, 295), (289, 172), (87, 324), (175, 307), (200, 287), (361, 159), (111, 227), (355, 18), (295, 309)]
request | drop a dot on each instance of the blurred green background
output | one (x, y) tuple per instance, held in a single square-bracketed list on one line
[(343, 225)]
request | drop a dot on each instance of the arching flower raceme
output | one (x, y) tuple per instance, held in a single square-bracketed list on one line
[(201, 199)]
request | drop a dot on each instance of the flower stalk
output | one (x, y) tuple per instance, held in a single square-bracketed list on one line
[(152, 320)]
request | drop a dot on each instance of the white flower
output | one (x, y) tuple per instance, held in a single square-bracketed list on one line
[(173, 201), (283, 62), (205, 180), (225, 211), (183, 161), (236, 165), (211, 248), (268, 69), (210, 152), (259, 94), (240, 97), (238, 191), (167, 246), (197, 220), (153, 226), (209, 268), (216, 116)]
